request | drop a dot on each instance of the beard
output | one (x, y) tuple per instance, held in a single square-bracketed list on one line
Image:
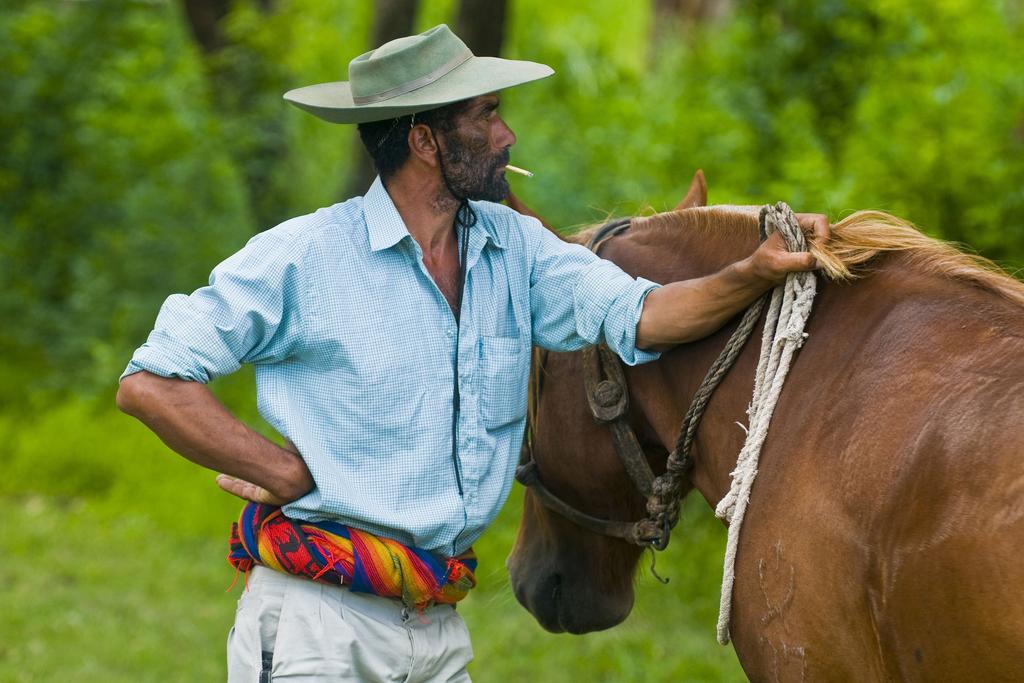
[(472, 172)]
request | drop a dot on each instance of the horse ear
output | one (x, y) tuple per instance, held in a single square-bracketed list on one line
[(697, 195)]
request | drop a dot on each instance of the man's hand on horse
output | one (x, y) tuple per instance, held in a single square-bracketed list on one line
[(772, 262), (815, 225)]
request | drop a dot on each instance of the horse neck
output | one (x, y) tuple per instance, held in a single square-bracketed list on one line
[(662, 391)]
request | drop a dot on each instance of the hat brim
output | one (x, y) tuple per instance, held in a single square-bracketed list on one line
[(477, 76)]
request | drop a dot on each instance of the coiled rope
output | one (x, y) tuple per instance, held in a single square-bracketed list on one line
[(783, 334)]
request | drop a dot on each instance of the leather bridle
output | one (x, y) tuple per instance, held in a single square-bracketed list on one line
[(608, 397), (609, 404)]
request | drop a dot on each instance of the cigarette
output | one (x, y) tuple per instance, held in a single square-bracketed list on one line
[(520, 171)]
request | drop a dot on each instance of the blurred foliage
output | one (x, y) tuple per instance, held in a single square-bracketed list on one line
[(115, 185), (292, 164), (132, 162), (913, 107)]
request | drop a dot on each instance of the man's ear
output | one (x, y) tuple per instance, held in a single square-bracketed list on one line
[(423, 144)]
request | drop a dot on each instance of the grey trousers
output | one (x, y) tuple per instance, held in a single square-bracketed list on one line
[(289, 628)]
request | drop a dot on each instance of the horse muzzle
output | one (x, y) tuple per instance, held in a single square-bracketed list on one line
[(563, 604)]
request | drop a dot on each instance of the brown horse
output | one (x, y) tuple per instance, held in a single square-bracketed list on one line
[(883, 536)]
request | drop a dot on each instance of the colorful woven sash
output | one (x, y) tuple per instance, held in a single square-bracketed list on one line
[(340, 555)]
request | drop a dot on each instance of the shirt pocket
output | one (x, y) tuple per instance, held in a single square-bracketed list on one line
[(504, 373)]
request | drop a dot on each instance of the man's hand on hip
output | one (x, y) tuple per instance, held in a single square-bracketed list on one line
[(289, 491), (192, 421), (249, 491)]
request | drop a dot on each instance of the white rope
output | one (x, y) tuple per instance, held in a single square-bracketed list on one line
[(783, 334)]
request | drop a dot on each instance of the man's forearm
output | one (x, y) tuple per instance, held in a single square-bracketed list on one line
[(688, 310), (194, 423), (684, 311)]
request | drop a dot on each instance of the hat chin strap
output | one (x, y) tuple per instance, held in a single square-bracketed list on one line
[(464, 215)]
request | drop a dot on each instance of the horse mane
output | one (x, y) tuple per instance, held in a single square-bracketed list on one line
[(855, 242)]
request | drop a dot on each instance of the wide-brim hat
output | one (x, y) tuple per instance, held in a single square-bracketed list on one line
[(412, 74)]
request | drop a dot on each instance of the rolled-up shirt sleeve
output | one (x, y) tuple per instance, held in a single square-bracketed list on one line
[(249, 313), (578, 299)]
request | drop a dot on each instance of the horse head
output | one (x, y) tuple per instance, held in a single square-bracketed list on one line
[(570, 578)]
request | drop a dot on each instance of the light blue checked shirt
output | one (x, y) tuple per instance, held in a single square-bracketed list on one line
[(354, 348)]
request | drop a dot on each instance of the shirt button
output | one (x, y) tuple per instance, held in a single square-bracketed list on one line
[(449, 333)]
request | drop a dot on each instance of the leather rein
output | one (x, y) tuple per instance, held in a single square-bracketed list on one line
[(608, 397)]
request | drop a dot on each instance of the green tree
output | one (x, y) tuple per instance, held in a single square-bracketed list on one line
[(114, 188)]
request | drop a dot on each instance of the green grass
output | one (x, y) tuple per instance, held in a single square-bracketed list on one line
[(112, 569), (88, 597)]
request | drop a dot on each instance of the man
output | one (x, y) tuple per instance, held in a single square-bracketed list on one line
[(391, 336)]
